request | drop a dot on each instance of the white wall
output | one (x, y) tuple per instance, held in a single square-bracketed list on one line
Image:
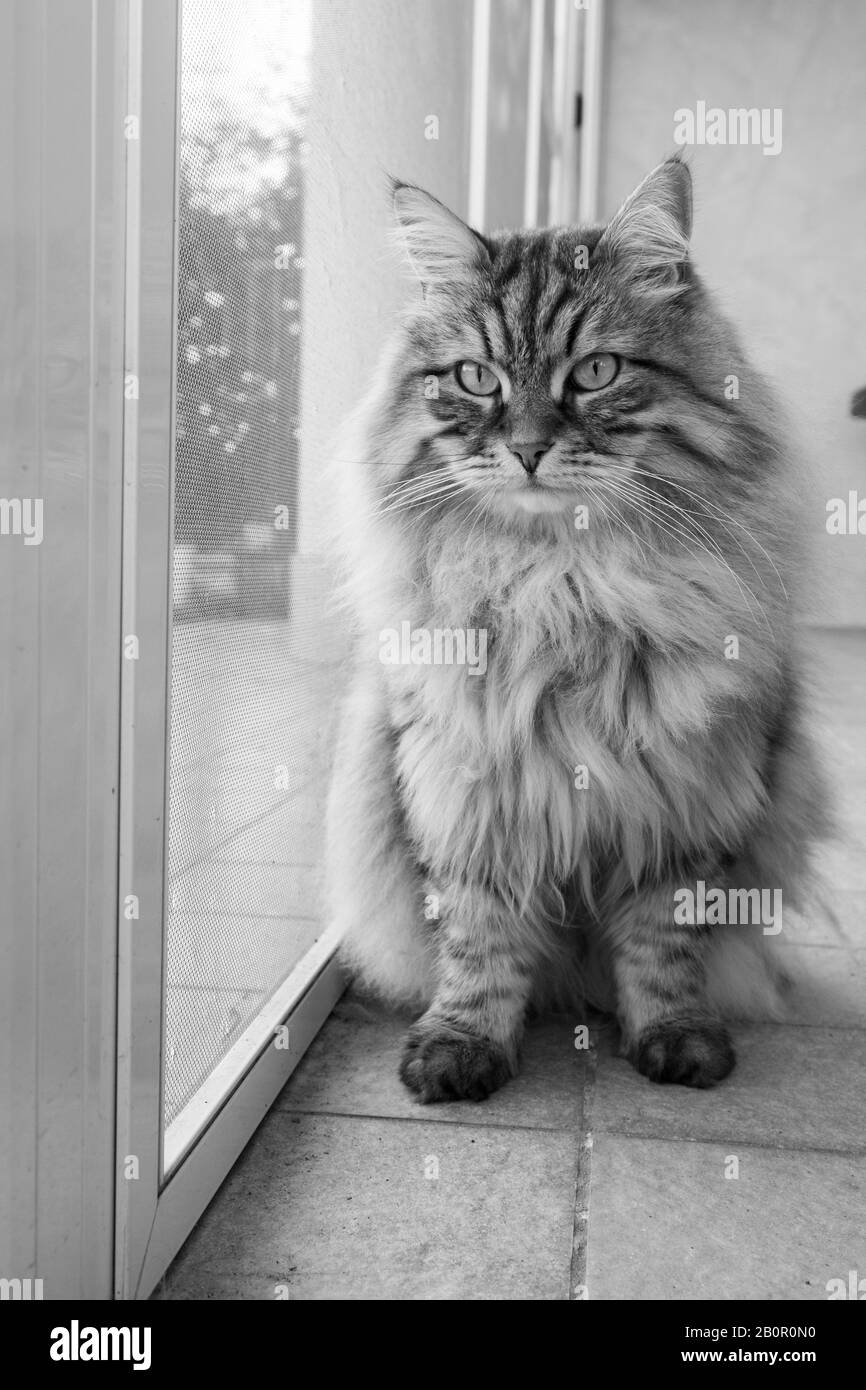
[(378, 71), (782, 238), (507, 112)]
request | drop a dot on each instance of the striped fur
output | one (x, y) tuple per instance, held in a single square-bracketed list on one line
[(468, 873)]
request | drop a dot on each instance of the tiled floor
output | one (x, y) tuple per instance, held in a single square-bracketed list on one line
[(580, 1178)]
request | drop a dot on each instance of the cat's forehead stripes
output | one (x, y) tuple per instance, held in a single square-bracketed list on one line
[(531, 310), (481, 342)]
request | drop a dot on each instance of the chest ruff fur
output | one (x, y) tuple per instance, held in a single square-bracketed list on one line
[(586, 739)]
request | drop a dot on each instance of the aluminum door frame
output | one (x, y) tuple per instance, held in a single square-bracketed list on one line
[(62, 154), (154, 1216)]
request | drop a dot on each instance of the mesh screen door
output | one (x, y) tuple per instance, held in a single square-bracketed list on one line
[(252, 685)]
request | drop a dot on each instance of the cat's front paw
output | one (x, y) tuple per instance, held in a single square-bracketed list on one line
[(691, 1054), (442, 1064)]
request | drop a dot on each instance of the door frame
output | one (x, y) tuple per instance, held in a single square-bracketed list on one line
[(62, 95), (155, 1214)]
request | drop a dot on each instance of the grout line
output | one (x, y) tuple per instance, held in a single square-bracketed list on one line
[(423, 1117), (577, 1285), (765, 1145)]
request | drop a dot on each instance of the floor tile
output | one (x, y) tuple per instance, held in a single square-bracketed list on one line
[(352, 1069), (665, 1222), (340, 1208), (795, 1087)]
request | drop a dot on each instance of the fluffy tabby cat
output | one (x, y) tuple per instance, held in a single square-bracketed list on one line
[(553, 454)]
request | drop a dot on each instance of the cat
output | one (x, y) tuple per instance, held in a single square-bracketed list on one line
[(566, 460)]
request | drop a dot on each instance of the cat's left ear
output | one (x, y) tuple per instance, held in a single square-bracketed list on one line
[(653, 226), (440, 247)]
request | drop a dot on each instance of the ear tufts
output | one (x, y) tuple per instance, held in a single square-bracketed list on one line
[(652, 228), (440, 247)]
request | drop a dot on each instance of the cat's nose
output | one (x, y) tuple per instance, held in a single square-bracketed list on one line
[(530, 452)]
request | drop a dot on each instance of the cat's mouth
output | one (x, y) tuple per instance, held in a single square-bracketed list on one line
[(553, 488), (535, 494)]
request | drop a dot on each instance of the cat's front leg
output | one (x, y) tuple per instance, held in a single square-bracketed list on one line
[(669, 1031), (466, 1044)]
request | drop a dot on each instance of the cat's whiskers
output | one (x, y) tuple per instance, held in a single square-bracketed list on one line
[(599, 487), (420, 488), (690, 524), (609, 514), (476, 515), (659, 523), (644, 506), (712, 510), (426, 499), (415, 480), (693, 526), (424, 491), (690, 519), (651, 495), (649, 509)]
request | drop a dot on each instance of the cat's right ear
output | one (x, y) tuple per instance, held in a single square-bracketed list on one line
[(441, 248)]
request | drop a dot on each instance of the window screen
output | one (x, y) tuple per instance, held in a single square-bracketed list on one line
[(252, 684)]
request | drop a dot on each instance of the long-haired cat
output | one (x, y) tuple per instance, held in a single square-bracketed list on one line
[(571, 552)]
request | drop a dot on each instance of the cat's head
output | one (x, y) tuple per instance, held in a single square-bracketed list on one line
[(540, 364)]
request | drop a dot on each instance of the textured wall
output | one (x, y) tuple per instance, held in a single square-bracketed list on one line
[(507, 112), (378, 71), (780, 237)]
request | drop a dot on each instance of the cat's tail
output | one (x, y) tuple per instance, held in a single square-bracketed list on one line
[(746, 978)]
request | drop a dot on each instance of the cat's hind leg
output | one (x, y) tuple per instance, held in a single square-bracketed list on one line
[(670, 1030)]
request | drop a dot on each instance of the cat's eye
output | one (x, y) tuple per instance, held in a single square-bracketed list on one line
[(476, 379), (595, 371)]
